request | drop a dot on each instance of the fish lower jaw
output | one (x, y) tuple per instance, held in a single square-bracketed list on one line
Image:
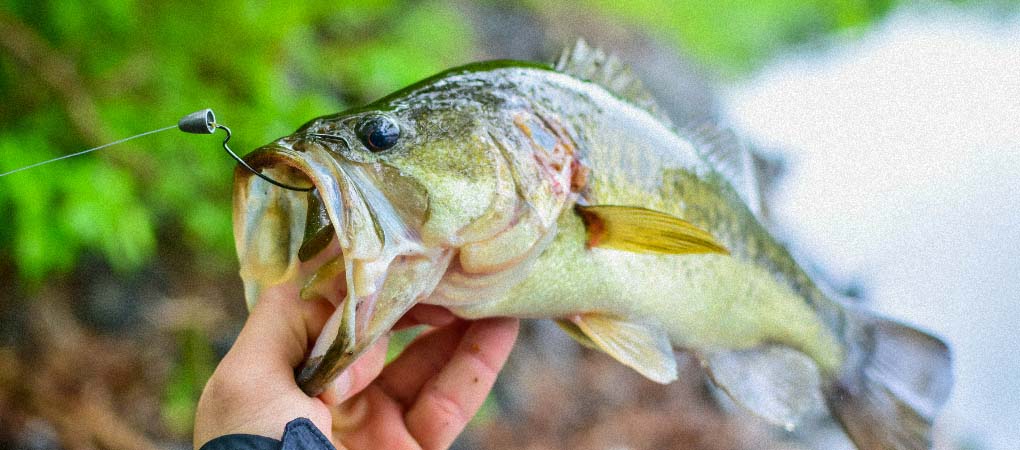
[(335, 328), (326, 338), (360, 320)]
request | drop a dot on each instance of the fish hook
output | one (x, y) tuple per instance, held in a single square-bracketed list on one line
[(260, 174), (204, 122)]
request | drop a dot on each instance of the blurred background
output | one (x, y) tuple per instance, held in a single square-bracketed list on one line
[(894, 126)]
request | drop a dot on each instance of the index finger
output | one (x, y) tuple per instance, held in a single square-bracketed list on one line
[(423, 314), (450, 399)]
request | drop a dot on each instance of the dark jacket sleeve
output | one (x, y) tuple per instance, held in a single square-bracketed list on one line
[(300, 434)]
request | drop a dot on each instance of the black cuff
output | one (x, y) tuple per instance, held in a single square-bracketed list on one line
[(242, 442), (300, 434)]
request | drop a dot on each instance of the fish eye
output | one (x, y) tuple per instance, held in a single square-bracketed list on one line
[(378, 132)]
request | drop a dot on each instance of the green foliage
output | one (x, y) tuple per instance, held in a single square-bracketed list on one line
[(265, 68), (194, 365)]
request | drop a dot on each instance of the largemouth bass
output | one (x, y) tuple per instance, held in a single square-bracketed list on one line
[(532, 191)]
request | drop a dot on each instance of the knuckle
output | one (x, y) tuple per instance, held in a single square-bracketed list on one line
[(449, 410)]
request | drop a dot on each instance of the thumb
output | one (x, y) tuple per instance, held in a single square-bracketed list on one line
[(253, 390), (281, 327)]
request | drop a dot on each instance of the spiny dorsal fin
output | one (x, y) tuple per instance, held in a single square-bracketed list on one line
[(606, 70), (748, 171)]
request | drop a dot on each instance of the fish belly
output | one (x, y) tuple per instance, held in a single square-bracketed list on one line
[(704, 303)]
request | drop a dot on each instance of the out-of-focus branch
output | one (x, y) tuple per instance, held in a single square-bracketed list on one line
[(56, 72)]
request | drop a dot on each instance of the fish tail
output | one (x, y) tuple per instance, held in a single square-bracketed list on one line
[(894, 381)]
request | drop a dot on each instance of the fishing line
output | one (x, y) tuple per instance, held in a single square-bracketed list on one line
[(198, 122), (72, 155)]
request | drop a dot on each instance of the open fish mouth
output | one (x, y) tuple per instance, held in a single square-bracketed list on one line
[(343, 241)]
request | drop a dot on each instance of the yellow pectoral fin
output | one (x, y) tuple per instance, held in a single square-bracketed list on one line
[(646, 231), (642, 348), (575, 332)]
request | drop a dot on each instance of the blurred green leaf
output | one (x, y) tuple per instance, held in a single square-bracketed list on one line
[(195, 364), (400, 340)]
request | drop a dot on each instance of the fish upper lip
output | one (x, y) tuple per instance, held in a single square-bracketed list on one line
[(351, 215), (346, 184)]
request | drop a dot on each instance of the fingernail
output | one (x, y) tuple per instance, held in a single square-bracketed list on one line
[(337, 391), (342, 384)]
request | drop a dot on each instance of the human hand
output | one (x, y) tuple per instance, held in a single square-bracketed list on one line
[(423, 399)]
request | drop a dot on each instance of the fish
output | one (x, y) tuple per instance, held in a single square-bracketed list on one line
[(562, 192)]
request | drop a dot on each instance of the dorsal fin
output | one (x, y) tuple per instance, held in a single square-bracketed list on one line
[(749, 172), (606, 70)]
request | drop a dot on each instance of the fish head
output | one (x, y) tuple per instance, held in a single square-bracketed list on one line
[(396, 191)]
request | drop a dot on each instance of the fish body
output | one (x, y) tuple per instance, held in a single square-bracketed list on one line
[(754, 294), (522, 190)]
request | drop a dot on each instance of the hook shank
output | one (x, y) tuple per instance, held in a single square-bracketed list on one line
[(246, 166)]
